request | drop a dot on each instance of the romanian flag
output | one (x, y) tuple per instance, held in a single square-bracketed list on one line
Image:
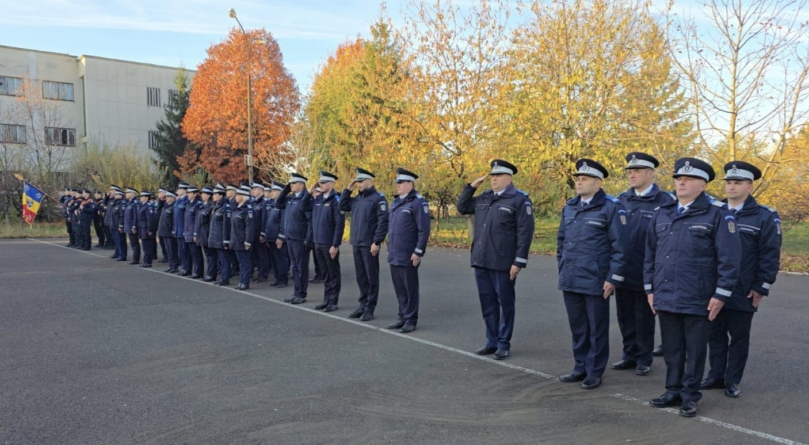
[(31, 198)]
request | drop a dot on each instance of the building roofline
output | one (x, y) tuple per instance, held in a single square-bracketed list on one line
[(88, 56)]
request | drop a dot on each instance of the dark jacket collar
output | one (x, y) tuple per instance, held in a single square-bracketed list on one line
[(630, 193), (598, 199), (750, 205), (369, 191)]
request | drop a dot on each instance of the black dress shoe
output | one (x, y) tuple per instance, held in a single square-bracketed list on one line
[(242, 287), (712, 383), (290, 299), (185, 273), (658, 351), (275, 283), (164, 260), (316, 280), (666, 400), (356, 314), (398, 325), (146, 266), (133, 262), (121, 259), (624, 365), (298, 300), (331, 308), (500, 354), (688, 409), (591, 383), (223, 283), (113, 257), (196, 277), (733, 391), (169, 270), (486, 350), (368, 316), (321, 306), (174, 271), (208, 279), (573, 377), (642, 370), (281, 285), (408, 328), (261, 280)]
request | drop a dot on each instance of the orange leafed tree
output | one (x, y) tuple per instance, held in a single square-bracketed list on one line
[(216, 121)]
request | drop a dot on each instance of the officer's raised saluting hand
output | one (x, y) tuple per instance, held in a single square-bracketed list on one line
[(313, 189), (714, 306), (353, 185), (477, 184)]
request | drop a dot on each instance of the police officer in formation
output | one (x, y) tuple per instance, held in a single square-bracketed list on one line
[(296, 200), (590, 252), (166, 232), (118, 209), (161, 203), (504, 228), (148, 224), (268, 244), (131, 224), (273, 220), (242, 234), (319, 266), (74, 209), (196, 266), (86, 218), (98, 219), (635, 318), (260, 254), (691, 267), (219, 233), (64, 200), (759, 229), (108, 226), (180, 205), (202, 230), (408, 234), (328, 225), (369, 227)]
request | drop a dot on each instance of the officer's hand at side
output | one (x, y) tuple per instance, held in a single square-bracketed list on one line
[(477, 183), (309, 246), (609, 288), (262, 239), (374, 249), (279, 243), (415, 259), (246, 246), (333, 251), (514, 271), (714, 306), (651, 299), (195, 239), (756, 297)]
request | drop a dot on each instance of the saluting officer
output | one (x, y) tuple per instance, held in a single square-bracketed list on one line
[(241, 235), (73, 208), (112, 230), (504, 228), (369, 227), (64, 200), (590, 252), (635, 317), (202, 228), (166, 231), (690, 270), (409, 231), (269, 243), (219, 233), (148, 224), (98, 219), (272, 228), (191, 247), (297, 203), (87, 214), (320, 274), (118, 210), (161, 202), (180, 204), (328, 225), (760, 231), (131, 224)]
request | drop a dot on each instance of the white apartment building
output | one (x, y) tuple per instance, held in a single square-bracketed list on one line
[(117, 101)]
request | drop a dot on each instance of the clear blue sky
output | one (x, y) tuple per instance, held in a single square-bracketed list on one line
[(174, 32)]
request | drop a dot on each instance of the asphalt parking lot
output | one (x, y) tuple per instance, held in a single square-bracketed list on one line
[(94, 351)]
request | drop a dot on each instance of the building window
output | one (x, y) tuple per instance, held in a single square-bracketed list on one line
[(153, 97), (57, 90), (60, 136), (173, 97), (13, 134), (153, 141), (10, 86)]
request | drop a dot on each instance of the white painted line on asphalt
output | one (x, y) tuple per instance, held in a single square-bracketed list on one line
[(729, 426), (708, 420)]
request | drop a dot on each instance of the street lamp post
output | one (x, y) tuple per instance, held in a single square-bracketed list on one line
[(232, 14)]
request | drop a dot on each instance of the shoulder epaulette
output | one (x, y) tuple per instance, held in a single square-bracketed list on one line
[(613, 199), (718, 203), (768, 208), (418, 195), (571, 201), (672, 196), (522, 192)]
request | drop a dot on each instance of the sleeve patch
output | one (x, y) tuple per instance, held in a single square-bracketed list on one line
[(383, 206)]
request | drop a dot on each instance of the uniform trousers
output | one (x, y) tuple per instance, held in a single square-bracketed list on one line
[(299, 259), (332, 281), (728, 356), (497, 296), (406, 285), (685, 348), (637, 324), (589, 319), (367, 269)]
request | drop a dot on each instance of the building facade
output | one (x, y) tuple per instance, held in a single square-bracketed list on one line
[(59, 100)]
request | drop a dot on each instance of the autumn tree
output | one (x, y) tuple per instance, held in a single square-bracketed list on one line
[(171, 143), (589, 79), (216, 122), (746, 72)]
